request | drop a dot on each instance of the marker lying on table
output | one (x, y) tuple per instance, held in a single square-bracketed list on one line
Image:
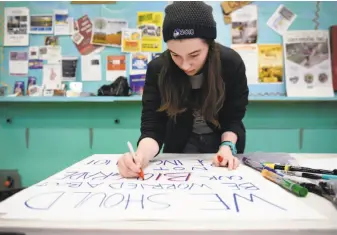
[(300, 169), (285, 183), (141, 173), (309, 175)]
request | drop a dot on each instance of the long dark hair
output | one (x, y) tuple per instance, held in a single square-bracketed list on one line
[(175, 87)]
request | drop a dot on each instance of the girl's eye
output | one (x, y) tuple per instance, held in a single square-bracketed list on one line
[(194, 55)]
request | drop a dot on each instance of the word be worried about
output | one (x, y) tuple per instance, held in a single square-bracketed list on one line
[(189, 189)]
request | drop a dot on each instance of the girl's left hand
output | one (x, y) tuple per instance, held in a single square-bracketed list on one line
[(225, 158)]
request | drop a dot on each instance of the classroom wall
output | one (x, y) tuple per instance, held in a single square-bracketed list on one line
[(41, 138)]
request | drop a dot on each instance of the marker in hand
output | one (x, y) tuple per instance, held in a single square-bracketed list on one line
[(141, 173)]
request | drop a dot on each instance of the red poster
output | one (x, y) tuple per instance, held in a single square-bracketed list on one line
[(82, 36)]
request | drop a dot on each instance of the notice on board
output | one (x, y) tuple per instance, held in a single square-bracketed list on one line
[(174, 189)]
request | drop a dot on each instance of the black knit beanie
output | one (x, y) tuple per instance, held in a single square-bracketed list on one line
[(189, 20)]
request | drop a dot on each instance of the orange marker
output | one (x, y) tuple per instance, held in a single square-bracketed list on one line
[(141, 173), (220, 159)]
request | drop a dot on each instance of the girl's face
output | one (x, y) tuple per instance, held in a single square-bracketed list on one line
[(188, 54)]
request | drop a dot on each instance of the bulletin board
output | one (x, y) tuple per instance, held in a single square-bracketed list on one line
[(308, 18)]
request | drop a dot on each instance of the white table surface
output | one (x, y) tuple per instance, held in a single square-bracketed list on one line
[(158, 227)]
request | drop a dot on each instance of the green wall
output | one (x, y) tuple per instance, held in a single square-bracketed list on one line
[(42, 138)]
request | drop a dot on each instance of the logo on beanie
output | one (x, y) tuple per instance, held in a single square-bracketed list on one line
[(183, 32)]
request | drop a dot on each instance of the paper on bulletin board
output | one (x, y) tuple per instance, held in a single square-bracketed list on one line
[(16, 24), (52, 76), (63, 24), (69, 68), (82, 36), (41, 24), (229, 6), (244, 25), (18, 63), (151, 23), (115, 67), (281, 19), (139, 62), (307, 62), (131, 40), (91, 67), (249, 55), (108, 32), (270, 63)]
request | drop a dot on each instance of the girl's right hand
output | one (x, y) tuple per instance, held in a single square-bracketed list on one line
[(128, 168)]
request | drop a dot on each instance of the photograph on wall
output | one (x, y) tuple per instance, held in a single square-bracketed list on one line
[(63, 24), (281, 20), (308, 63), (16, 24), (244, 25), (41, 24), (82, 36), (131, 40), (270, 63), (51, 40), (151, 23), (108, 32)]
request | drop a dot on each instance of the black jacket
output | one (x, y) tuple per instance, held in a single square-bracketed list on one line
[(175, 134)]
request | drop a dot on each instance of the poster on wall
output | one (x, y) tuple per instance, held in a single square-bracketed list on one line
[(244, 25), (115, 67), (270, 63), (151, 23), (131, 40), (91, 67), (108, 32), (82, 36), (41, 24), (52, 76), (63, 24), (307, 63), (18, 63), (16, 26), (139, 62), (69, 68)]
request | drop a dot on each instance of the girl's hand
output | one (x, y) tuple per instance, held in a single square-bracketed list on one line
[(225, 158)]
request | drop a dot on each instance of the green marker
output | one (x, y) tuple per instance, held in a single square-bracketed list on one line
[(285, 183)]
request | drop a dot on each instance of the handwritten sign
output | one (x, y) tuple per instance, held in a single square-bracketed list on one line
[(174, 189)]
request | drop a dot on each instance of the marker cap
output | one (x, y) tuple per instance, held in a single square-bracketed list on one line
[(299, 190)]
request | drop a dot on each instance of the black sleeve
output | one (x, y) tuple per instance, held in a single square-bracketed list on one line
[(236, 102), (153, 122)]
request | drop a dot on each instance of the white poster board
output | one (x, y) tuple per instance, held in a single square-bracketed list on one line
[(177, 190)]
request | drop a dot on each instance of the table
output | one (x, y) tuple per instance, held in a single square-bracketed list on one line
[(167, 228)]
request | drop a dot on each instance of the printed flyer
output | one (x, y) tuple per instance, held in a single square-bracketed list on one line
[(308, 63), (131, 40), (150, 23)]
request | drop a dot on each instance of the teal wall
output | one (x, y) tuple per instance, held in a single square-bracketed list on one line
[(41, 138)]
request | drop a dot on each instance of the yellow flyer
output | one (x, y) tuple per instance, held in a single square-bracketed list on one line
[(131, 40), (270, 63), (151, 23)]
